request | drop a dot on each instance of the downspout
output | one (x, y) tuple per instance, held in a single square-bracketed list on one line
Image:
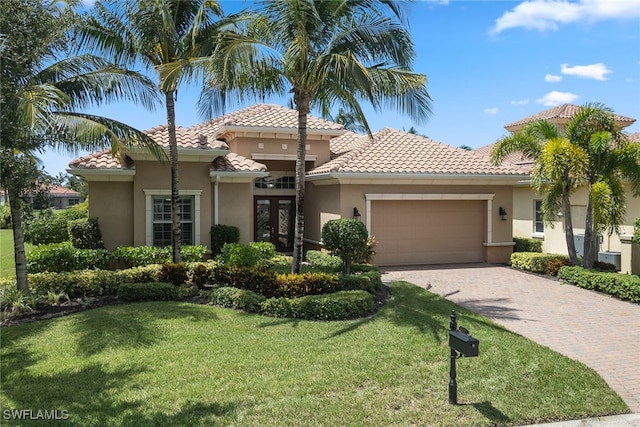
[(216, 219)]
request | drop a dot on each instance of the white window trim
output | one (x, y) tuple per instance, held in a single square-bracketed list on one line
[(149, 194), (534, 232)]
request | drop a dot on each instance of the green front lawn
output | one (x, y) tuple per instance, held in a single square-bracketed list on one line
[(169, 363), (7, 259)]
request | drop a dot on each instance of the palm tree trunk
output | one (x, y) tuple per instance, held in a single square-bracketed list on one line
[(18, 242), (176, 232), (589, 238), (568, 226), (302, 100)]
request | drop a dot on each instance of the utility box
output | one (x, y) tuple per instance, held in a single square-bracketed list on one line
[(611, 258), (463, 343)]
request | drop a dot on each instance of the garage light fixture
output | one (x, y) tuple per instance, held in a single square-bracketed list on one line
[(356, 213), (503, 213)]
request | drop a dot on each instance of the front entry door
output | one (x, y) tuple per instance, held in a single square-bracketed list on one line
[(274, 218)]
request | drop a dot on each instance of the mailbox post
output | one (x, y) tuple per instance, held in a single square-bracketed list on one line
[(461, 344)]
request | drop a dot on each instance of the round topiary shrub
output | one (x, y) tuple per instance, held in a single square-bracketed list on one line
[(347, 239)]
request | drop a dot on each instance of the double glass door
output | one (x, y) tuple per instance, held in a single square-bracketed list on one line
[(274, 221)]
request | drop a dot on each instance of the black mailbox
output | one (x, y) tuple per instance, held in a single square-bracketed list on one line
[(463, 343)]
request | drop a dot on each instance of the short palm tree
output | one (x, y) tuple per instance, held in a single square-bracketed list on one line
[(560, 168), (41, 96), (153, 33), (327, 54)]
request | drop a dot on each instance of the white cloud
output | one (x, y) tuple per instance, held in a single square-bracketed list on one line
[(557, 98), (595, 71), (551, 78), (492, 110), (544, 15), (520, 102)]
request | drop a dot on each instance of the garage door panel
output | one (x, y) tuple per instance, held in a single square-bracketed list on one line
[(410, 232)]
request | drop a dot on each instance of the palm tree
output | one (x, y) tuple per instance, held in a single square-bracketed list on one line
[(329, 54), (611, 160), (560, 168), (153, 33), (41, 95)]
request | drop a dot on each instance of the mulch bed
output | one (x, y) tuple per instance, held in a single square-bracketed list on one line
[(76, 305)]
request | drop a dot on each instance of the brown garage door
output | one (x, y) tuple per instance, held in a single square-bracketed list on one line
[(410, 232)]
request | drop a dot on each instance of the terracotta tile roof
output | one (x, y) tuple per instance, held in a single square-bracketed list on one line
[(233, 162), (518, 159), (187, 138), (264, 116), (393, 151), (102, 160), (63, 192), (562, 112), (344, 143), (634, 137)]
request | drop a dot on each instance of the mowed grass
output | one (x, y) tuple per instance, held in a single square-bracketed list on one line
[(178, 364), (7, 257)]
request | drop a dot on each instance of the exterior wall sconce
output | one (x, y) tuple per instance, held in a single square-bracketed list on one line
[(503, 213), (356, 213)]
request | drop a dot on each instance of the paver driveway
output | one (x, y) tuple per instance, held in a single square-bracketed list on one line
[(600, 331)]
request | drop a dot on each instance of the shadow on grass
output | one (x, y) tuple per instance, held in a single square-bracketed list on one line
[(490, 412), (91, 396), (122, 327)]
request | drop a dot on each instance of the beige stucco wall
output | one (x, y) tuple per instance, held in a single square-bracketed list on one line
[(236, 208), (112, 204), (285, 144)]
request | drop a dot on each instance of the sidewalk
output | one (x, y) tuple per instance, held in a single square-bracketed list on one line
[(630, 420), (597, 330)]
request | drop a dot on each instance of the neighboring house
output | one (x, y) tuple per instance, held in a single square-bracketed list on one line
[(59, 198), (527, 217), (423, 201)]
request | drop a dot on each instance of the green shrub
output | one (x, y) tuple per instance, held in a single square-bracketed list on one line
[(84, 233), (187, 291), (636, 231), (623, 286), (60, 257), (192, 253), (239, 299), (370, 281), (340, 305), (523, 244), (238, 255), (262, 282), (267, 250), (346, 238), (144, 274), (201, 273), (221, 234), (324, 261), (534, 261), (175, 273), (554, 265), (153, 291), (5, 216), (46, 229), (604, 266), (293, 285), (76, 283)]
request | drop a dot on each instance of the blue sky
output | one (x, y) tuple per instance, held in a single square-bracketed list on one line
[(488, 63)]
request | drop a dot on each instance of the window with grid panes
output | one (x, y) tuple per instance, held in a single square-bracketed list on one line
[(538, 223), (162, 220)]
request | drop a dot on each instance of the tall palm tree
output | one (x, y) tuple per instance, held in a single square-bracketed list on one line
[(328, 54), (560, 168), (153, 33), (612, 159), (40, 98)]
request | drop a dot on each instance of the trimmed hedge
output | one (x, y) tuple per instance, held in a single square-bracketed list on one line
[(622, 286), (370, 281), (324, 260), (298, 285), (154, 291), (262, 282), (84, 233), (535, 262), (59, 257), (75, 284), (340, 305), (523, 244), (129, 256), (221, 234), (239, 299)]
